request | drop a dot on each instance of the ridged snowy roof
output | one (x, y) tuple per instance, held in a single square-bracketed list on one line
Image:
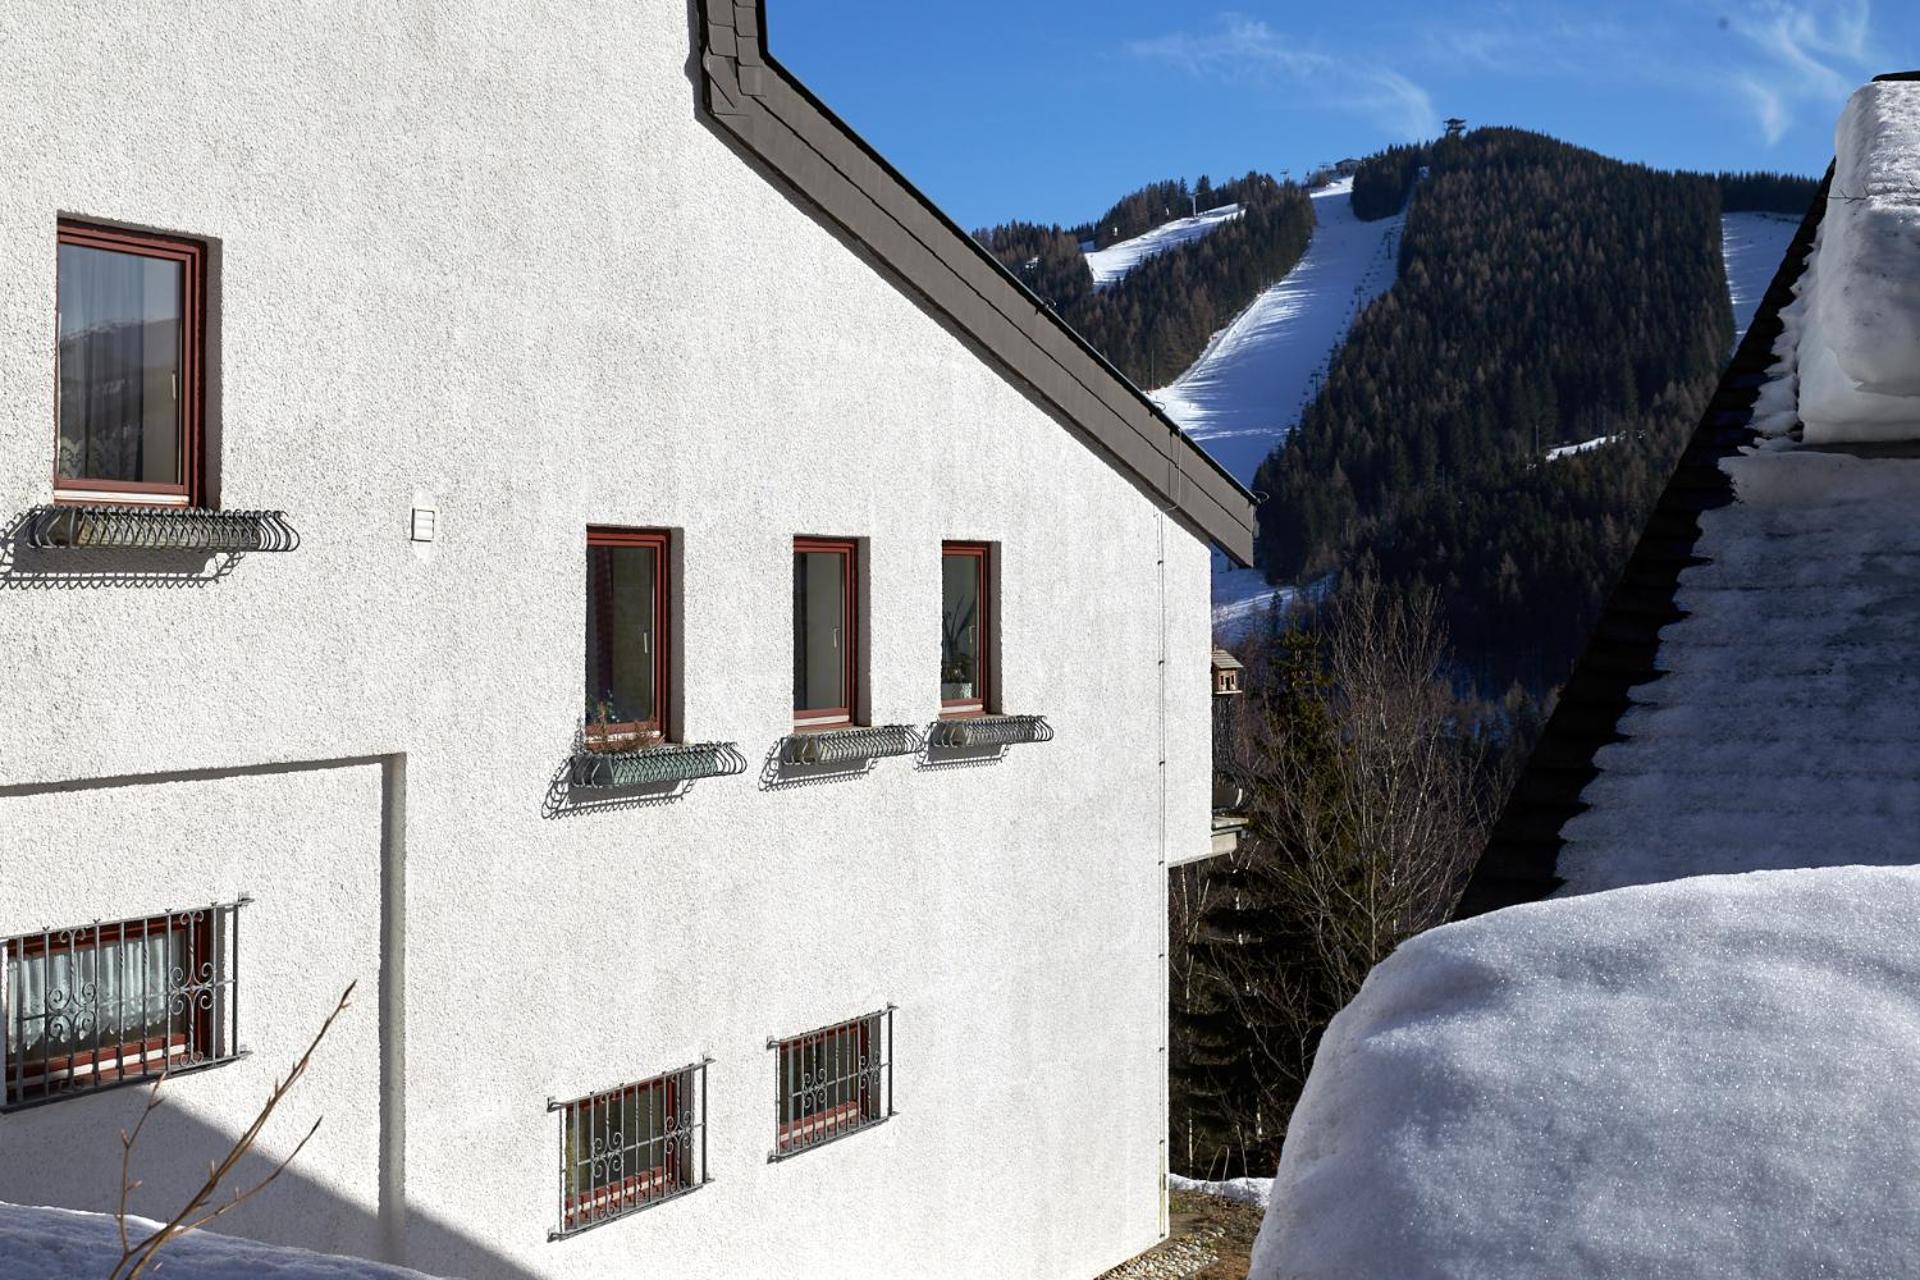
[(1750, 698)]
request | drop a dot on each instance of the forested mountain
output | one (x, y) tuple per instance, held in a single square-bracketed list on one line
[(1766, 192), (1383, 182), (1156, 320), (1547, 295)]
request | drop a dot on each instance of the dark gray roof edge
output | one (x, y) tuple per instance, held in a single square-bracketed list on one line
[(1521, 859), (747, 94)]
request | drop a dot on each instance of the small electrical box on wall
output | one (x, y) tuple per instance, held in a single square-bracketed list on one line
[(426, 523)]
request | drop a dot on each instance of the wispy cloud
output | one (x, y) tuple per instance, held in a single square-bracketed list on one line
[(1814, 51), (1245, 49)]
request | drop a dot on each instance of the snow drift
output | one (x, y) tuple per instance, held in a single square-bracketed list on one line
[(61, 1244), (1858, 369), (1711, 1077)]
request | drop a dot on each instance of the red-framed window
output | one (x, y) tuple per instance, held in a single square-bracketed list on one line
[(131, 326), (628, 636), (966, 673), (102, 1004), (826, 660), (629, 1148), (832, 1081)]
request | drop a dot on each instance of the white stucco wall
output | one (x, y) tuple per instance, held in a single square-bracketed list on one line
[(495, 259)]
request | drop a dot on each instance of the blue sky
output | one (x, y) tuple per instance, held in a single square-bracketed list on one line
[(1050, 109)]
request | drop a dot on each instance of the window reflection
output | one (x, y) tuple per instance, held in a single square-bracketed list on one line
[(120, 366)]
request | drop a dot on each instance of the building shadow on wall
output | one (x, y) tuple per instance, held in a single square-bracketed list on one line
[(67, 1155)]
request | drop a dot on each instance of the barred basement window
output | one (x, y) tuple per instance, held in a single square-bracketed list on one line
[(97, 1005), (630, 1148), (832, 1082)]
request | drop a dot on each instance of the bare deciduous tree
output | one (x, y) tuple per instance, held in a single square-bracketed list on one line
[(135, 1257), (1367, 809)]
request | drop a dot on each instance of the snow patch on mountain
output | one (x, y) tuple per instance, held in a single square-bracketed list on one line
[(1116, 260)]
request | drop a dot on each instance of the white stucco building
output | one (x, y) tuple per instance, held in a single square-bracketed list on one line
[(451, 287)]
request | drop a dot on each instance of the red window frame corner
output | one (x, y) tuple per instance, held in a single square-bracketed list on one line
[(816, 719), (982, 702), (660, 541), (192, 254)]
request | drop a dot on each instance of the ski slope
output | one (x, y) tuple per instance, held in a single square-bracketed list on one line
[(1114, 261), (1247, 389), (1752, 245)]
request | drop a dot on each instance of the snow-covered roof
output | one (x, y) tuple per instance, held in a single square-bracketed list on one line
[(1859, 355), (60, 1244), (1750, 697), (1710, 1078)]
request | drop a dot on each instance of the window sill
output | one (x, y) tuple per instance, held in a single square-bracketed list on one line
[(649, 766), (149, 527), (964, 732), (849, 744)]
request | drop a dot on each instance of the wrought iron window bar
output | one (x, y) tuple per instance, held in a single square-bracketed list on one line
[(631, 1148), (606, 770), (91, 1007), (990, 731), (831, 1082), (51, 528), (850, 746)]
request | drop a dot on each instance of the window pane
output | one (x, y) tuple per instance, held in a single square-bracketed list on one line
[(960, 627), (623, 634), (120, 366), (819, 619), (82, 995)]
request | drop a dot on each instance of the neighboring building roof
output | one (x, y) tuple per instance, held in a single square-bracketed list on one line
[(1667, 752), (751, 98), (1225, 661), (1698, 1079)]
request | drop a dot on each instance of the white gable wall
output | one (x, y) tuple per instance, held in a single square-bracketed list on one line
[(495, 259)]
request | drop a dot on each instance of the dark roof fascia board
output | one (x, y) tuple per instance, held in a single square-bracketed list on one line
[(779, 121), (1521, 859)]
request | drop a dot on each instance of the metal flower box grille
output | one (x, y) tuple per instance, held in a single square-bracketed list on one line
[(850, 746), (594, 770), (631, 1148), (991, 731), (98, 1005), (159, 529), (832, 1082)]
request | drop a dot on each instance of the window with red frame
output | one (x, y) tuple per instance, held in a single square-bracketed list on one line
[(103, 1004), (131, 352), (832, 1082), (825, 648), (627, 636), (965, 674), (630, 1148)]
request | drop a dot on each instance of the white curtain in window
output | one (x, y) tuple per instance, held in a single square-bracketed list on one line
[(96, 994)]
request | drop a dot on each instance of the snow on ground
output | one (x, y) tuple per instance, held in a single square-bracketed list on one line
[(1253, 1191), (1241, 597), (62, 1244), (1752, 245), (1859, 380), (1114, 261), (1710, 1078)]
